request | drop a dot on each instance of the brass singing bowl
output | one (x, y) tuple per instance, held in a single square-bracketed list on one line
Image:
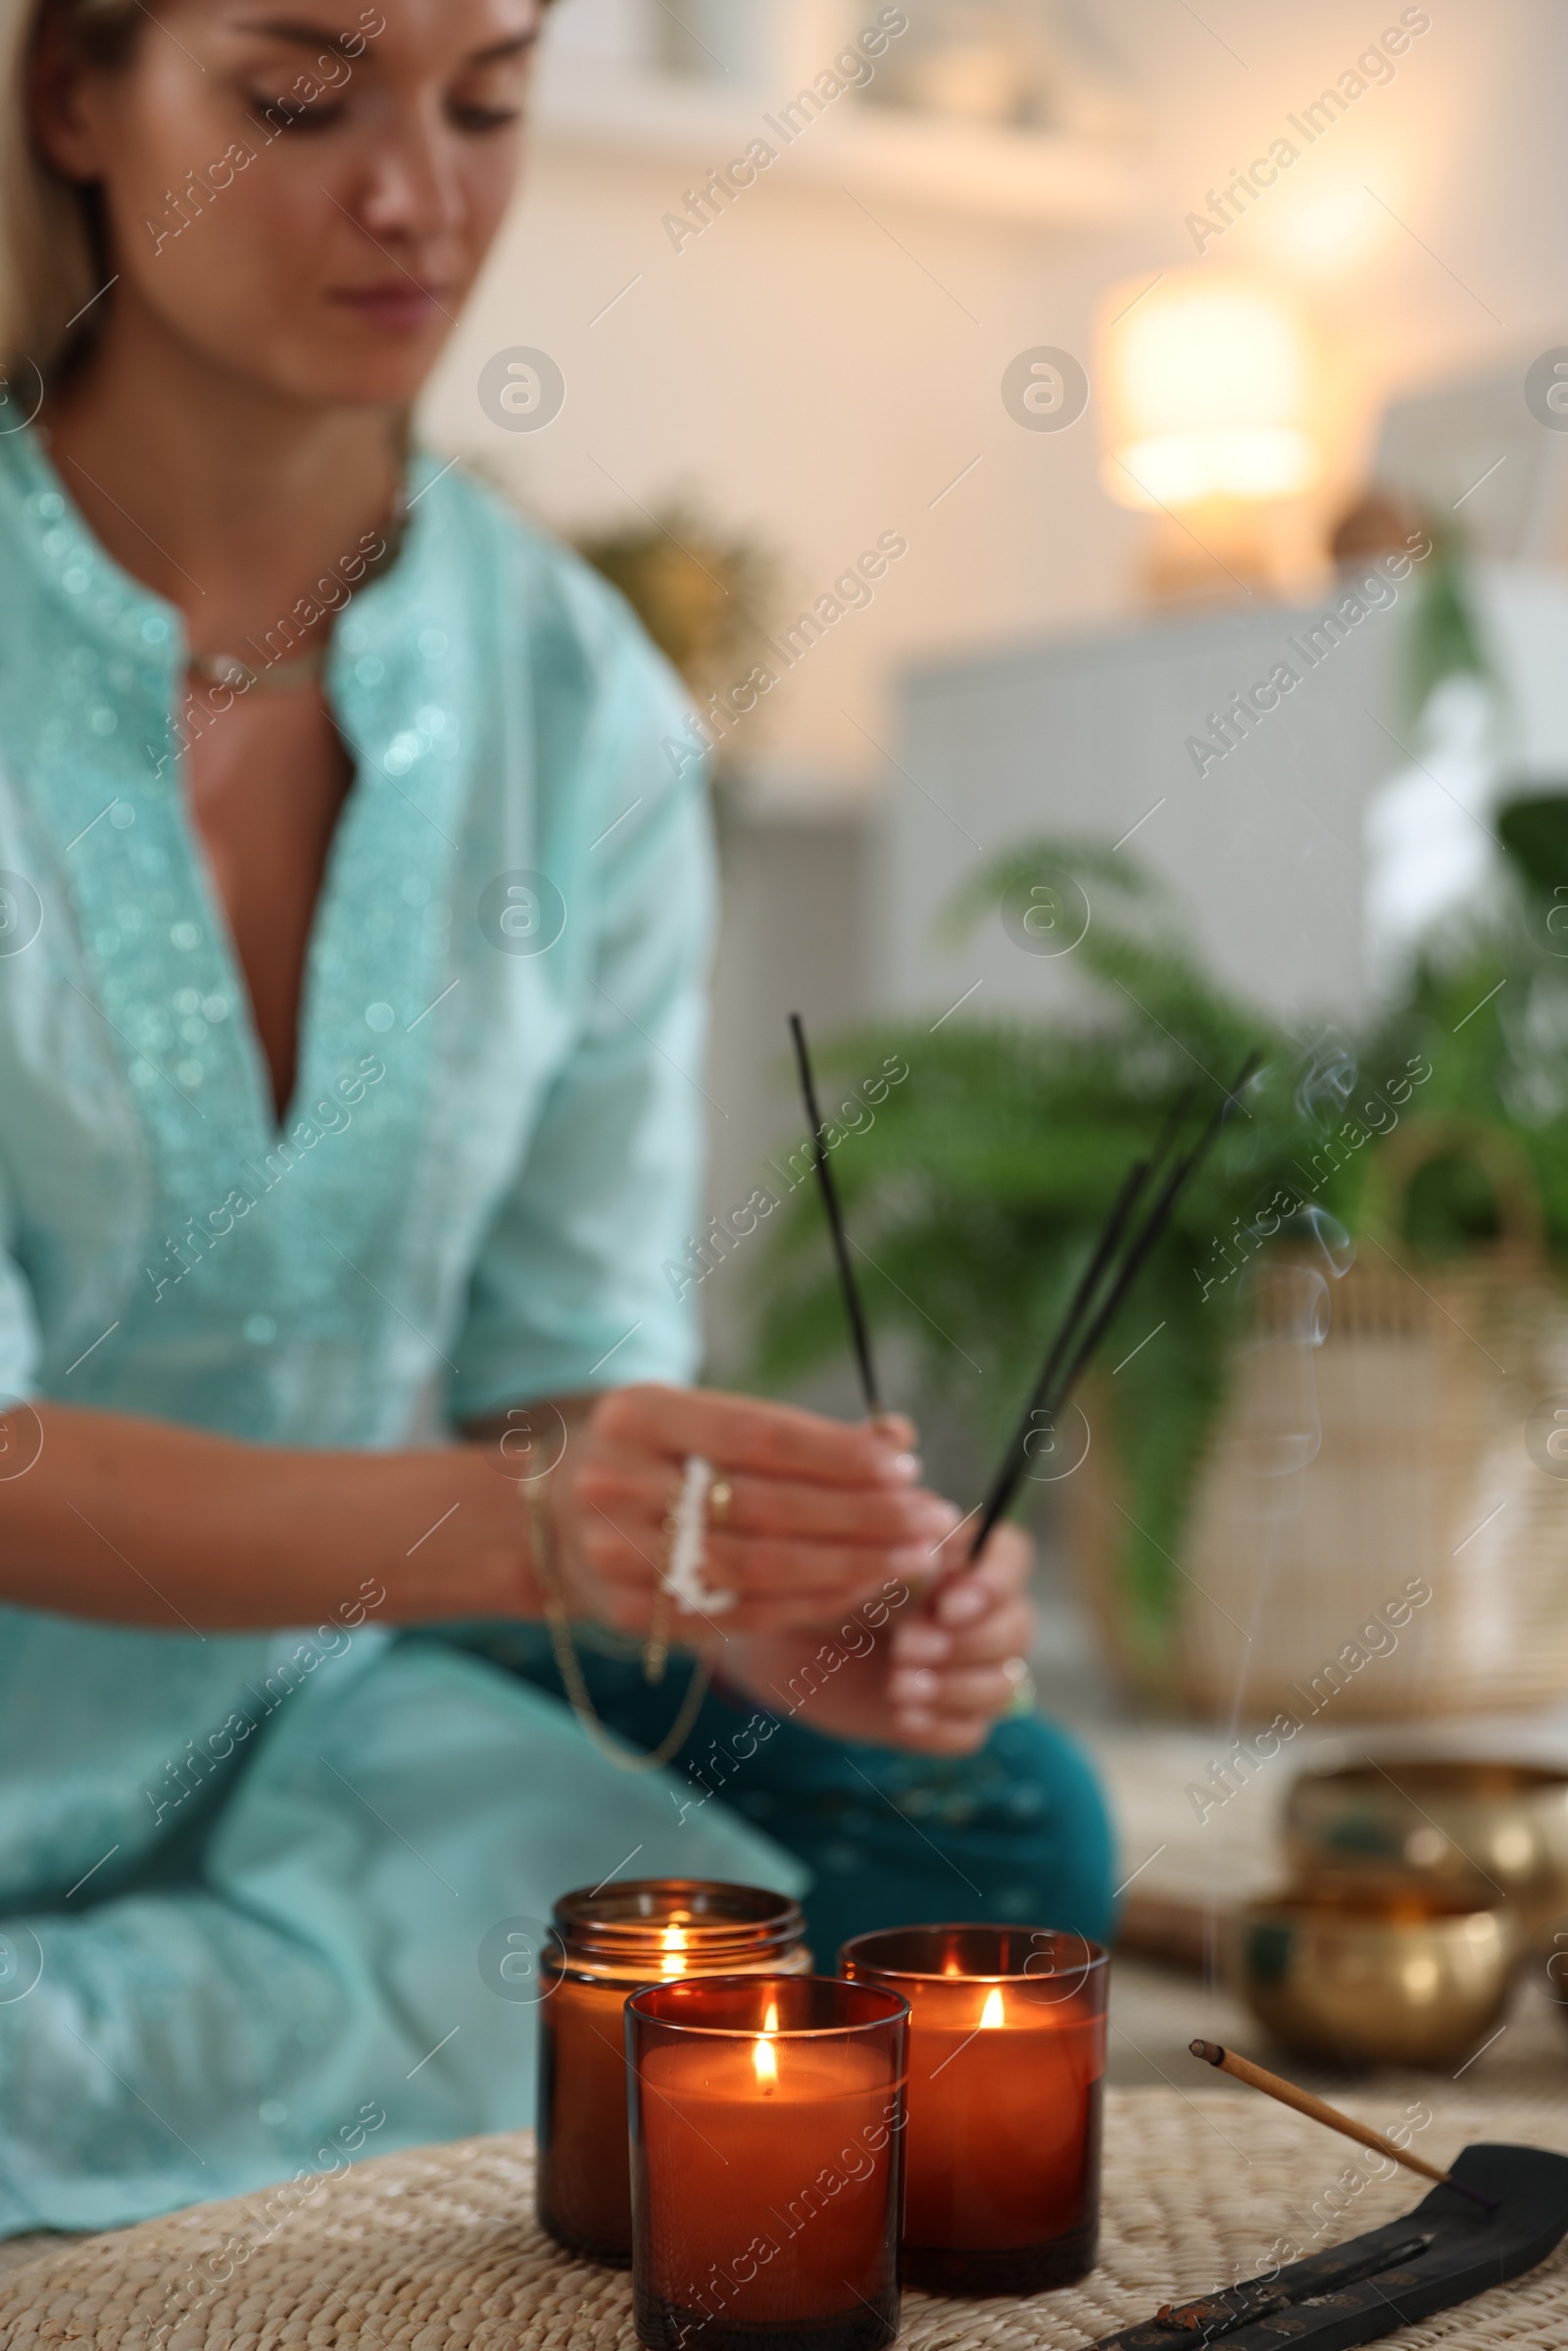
[(1373, 1976), (1481, 1833)]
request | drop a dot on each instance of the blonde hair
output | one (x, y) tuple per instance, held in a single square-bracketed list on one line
[(51, 245)]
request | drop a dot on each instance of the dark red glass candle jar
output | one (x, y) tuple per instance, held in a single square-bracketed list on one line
[(767, 2156), (1006, 2062), (607, 1945)]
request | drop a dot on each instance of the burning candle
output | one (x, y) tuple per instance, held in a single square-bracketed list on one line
[(1006, 2058), (767, 2136), (607, 1945)]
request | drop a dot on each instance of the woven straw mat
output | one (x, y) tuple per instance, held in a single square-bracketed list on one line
[(438, 2249)]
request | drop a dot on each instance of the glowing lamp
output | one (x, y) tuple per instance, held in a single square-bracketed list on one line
[(1207, 383)]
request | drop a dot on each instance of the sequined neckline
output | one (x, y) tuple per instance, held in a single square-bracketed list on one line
[(121, 678), (97, 596), (103, 599)]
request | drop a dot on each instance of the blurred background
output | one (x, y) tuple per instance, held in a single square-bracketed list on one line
[(1100, 468)]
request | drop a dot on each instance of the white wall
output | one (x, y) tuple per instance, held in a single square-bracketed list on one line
[(799, 365), (1261, 855), (820, 378)]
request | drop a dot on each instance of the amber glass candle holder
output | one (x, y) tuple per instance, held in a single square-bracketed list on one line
[(1006, 2062), (605, 1945), (767, 2155)]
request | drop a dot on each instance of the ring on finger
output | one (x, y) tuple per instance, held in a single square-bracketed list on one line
[(720, 1500), (681, 1576), (1025, 1693)]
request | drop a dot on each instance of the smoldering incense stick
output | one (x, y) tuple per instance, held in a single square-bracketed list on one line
[(1051, 1392), (835, 1219), (1273, 2085)]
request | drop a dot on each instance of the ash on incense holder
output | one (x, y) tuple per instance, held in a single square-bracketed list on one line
[(1502, 2210)]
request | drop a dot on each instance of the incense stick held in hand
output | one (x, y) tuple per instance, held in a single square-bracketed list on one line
[(1122, 1206), (1055, 1384), (1273, 2085), (1005, 1479), (835, 1219)]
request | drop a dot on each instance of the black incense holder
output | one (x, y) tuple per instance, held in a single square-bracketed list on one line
[(1438, 2256)]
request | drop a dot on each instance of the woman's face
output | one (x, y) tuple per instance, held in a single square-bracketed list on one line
[(302, 191)]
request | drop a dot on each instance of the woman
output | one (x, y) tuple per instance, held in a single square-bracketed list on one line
[(349, 1009)]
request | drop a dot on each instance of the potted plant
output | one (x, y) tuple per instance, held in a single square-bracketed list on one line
[(979, 1190)]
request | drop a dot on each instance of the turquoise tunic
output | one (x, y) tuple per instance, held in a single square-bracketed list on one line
[(246, 1882)]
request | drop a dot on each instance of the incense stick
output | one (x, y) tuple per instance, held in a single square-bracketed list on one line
[(835, 1219), (1099, 1258), (1001, 1485), (1155, 1225), (1273, 2085), (1050, 1393)]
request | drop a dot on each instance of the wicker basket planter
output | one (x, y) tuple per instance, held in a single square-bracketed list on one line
[(1377, 1529)]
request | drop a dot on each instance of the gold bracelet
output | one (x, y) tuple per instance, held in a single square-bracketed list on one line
[(557, 1617)]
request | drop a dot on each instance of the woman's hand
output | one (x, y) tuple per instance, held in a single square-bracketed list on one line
[(937, 1677), (820, 1516)]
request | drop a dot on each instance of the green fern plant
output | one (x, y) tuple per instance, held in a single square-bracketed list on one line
[(978, 1193)]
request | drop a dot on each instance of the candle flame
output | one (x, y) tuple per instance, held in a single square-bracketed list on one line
[(764, 2057), (993, 2012), (673, 1962)]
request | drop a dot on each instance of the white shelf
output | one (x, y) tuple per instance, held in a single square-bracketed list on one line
[(983, 170)]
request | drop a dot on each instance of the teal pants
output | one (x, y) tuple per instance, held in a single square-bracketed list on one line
[(1017, 1833)]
